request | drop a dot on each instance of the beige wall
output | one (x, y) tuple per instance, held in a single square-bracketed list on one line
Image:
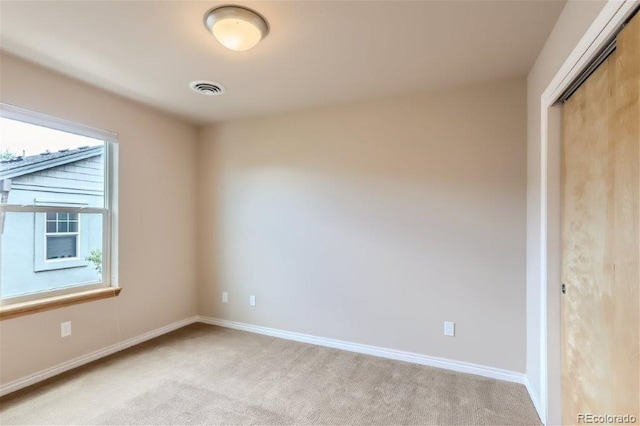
[(344, 222), (374, 222), (157, 223), (576, 17)]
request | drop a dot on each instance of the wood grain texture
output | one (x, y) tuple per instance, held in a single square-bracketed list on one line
[(55, 302), (624, 127), (601, 238)]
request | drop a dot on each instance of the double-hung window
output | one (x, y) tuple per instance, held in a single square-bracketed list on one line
[(61, 236), (58, 203)]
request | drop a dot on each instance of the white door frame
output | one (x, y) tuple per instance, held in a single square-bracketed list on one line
[(612, 16)]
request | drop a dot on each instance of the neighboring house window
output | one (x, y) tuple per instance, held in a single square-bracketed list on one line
[(61, 236), (58, 196)]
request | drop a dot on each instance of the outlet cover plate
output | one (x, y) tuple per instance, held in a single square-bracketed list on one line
[(65, 329), (449, 328)]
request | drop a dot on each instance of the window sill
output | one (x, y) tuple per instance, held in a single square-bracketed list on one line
[(55, 302)]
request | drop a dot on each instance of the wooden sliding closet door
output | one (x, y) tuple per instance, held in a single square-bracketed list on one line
[(601, 238)]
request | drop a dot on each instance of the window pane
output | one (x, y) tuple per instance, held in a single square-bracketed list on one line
[(51, 226), (63, 227), (34, 262), (67, 169), (63, 216), (73, 226), (73, 216), (51, 216), (63, 246)]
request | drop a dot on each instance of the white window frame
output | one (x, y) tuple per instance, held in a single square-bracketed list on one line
[(55, 234), (40, 261), (109, 211)]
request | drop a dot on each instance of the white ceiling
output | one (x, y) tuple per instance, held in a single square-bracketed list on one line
[(317, 53)]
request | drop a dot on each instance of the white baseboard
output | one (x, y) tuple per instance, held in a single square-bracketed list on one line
[(536, 400), (85, 359), (431, 361)]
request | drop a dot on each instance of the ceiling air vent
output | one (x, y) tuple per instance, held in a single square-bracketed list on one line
[(207, 88)]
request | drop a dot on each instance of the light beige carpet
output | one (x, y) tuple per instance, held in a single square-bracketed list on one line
[(203, 374)]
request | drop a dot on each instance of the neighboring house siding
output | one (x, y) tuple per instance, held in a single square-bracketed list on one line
[(24, 268), (81, 180)]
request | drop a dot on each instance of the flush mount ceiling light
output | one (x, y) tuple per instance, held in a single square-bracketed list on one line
[(235, 27)]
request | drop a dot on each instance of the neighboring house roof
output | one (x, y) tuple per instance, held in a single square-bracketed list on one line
[(34, 163)]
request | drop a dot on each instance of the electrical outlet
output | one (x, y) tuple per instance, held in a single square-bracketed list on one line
[(252, 300), (65, 329), (225, 297), (449, 328)]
